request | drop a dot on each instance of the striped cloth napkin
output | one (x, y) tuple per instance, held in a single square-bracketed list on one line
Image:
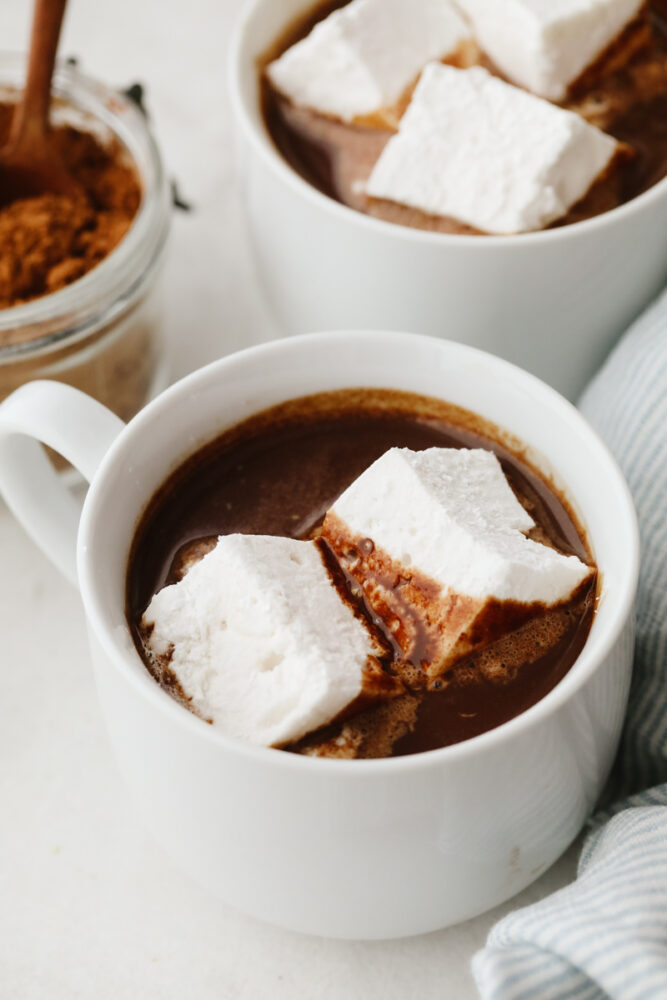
[(605, 936)]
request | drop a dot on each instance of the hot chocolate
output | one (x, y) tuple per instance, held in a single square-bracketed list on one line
[(279, 473), (622, 93)]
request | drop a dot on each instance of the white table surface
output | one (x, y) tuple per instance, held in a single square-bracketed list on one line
[(89, 905)]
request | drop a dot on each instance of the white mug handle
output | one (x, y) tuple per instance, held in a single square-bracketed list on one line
[(76, 426)]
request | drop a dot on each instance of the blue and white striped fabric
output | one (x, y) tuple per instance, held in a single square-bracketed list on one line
[(605, 936)]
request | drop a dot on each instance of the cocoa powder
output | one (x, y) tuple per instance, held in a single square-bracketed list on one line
[(47, 242)]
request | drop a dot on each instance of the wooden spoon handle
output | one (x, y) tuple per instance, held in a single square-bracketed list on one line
[(31, 118)]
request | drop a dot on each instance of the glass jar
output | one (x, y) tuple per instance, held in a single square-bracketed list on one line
[(102, 333)]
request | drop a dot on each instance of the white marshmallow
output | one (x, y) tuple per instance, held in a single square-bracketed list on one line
[(545, 45), (363, 57), (260, 640), (451, 514), (488, 154)]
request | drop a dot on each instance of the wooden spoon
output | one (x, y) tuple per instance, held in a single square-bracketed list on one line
[(30, 163)]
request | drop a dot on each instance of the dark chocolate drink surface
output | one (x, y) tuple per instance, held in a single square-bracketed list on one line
[(629, 103), (278, 473)]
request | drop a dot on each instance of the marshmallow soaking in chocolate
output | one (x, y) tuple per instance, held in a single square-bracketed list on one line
[(473, 117), (330, 643)]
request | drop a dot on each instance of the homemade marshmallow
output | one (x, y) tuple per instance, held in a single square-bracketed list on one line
[(545, 45), (260, 641), (483, 152), (433, 537), (365, 56)]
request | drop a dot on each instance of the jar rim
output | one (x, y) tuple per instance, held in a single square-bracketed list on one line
[(109, 288)]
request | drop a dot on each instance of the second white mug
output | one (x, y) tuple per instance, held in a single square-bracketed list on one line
[(553, 302)]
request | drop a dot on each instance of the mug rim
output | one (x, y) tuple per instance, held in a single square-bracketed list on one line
[(259, 139), (588, 661)]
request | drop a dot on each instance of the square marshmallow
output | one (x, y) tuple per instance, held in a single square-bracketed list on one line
[(260, 641), (545, 45), (364, 57), (433, 538), (483, 152)]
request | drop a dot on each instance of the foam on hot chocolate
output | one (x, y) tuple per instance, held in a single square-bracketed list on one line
[(484, 152), (545, 45), (366, 55), (437, 541), (257, 639)]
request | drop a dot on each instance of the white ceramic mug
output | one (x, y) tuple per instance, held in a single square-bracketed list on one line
[(353, 849), (553, 302)]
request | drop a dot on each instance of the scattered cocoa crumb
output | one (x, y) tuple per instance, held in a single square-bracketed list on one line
[(50, 241)]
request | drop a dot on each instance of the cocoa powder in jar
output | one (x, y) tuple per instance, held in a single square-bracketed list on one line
[(49, 241), (102, 335)]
